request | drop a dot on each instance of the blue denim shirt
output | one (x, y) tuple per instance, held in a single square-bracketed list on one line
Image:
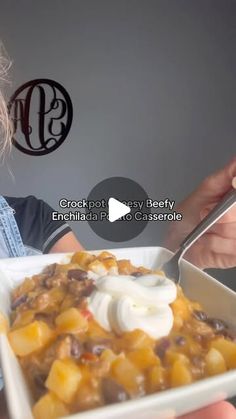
[(11, 244)]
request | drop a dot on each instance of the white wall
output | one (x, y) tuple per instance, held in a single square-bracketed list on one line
[(153, 87)]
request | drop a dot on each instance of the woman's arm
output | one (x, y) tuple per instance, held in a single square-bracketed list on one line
[(67, 243)]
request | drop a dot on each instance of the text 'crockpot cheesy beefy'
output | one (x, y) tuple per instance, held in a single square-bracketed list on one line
[(73, 362)]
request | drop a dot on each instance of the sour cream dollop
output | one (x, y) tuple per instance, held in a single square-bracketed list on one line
[(123, 303)]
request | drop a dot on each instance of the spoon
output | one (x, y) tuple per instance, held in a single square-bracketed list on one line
[(171, 267)]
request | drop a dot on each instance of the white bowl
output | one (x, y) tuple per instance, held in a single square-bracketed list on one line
[(216, 299)]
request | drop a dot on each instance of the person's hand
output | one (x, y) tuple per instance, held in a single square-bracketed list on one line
[(217, 247), (221, 410)]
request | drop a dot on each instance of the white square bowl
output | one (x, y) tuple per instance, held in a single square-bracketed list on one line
[(216, 299)]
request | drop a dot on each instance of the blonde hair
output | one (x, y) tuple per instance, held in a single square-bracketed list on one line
[(5, 123)]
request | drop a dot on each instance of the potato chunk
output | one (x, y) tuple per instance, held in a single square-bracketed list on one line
[(111, 265), (63, 379), (128, 375), (71, 321), (136, 339), (180, 374), (30, 338), (181, 311), (156, 379), (82, 258), (98, 267), (50, 407), (227, 349), (144, 358), (106, 255), (109, 356), (171, 357), (87, 397), (215, 363)]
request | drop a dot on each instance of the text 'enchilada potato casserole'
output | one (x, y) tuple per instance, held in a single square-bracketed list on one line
[(98, 330)]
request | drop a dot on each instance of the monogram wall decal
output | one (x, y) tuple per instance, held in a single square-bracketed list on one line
[(41, 111)]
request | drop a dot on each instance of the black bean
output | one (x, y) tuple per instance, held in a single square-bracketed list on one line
[(87, 291), (199, 315), (180, 340), (113, 392), (76, 347), (161, 347), (77, 274), (97, 346), (137, 274), (46, 317), (217, 324), (40, 379), (18, 301)]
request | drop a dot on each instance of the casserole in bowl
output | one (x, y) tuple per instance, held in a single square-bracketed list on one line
[(197, 286)]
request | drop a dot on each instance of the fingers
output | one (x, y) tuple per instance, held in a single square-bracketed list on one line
[(219, 182), (212, 242), (210, 260), (221, 410), (234, 182), (226, 230), (228, 217), (212, 251)]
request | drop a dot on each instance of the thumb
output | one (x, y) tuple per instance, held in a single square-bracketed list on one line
[(219, 182), (228, 217), (206, 211), (234, 182)]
